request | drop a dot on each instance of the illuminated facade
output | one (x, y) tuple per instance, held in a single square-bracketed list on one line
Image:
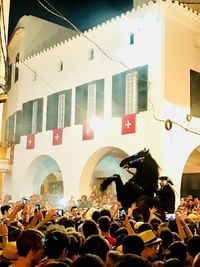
[(4, 16), (68, 104)]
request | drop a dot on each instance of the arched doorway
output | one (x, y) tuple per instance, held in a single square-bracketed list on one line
[(45, 178), (102, 164), (190, 183)]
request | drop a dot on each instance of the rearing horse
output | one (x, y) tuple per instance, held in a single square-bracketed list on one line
[(147, 171), (143, 183)]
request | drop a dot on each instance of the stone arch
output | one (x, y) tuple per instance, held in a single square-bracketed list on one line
[(40, 168), (190, 182), (88, 173)]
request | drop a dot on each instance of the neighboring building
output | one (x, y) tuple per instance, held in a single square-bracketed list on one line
[(4, 18), (147, 72), (195, 5)]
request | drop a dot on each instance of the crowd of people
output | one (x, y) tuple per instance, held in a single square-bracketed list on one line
[(95, 231)]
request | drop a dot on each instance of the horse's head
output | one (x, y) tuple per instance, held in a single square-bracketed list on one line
[(136, 160)]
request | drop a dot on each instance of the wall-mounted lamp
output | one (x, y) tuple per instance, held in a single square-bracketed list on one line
[(188, 117), (168, 124)]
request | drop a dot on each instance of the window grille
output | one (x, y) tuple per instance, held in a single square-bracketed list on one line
[(131, 93), (91, 103), (61, 111), (34, 117)]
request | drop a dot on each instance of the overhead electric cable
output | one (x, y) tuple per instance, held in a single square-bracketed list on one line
[(60, 15)]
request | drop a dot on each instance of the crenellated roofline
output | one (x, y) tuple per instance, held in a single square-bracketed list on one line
[(174, 6)]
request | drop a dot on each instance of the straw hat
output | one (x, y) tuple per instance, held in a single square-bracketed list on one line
[(89, 213), (192, 216), (10, 251), (137, 224), (149, 238)]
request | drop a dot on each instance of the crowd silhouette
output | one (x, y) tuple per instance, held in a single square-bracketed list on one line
[(90, 232)]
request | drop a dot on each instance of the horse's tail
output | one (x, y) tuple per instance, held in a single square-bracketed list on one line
[(115, 178)]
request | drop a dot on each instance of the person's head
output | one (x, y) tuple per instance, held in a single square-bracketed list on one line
[(31, 243), (158, 263), (90, 228), (196, 262), (74, 211), (144, 227), (84, 198), (155, 228), (114, 226), (136, 226), (105, 212), (104, 223), (163, 226), (97, 245), (88, 260), (151, 244), (9, 254), (133, 244), (173, 262), (57, 264), (74, 247), (66, 222), (176, 236), (120, 234), (57, 243), (178, 250), (137, 215), (156, 220), (13, 232), (121, 231), (167, 238), (130, 260), (112, 258), (80, 239), (173, 226), (95, 216), (5, 210), (193, 247)]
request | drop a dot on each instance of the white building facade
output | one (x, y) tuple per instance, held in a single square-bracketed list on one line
[(145, 64)]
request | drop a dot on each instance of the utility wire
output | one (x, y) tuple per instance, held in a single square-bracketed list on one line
[(2, 47), (60, 15)]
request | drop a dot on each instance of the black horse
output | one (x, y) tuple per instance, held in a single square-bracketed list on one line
[(144, 182)]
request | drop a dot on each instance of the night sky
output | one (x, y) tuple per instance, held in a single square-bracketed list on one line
[(82, 13)]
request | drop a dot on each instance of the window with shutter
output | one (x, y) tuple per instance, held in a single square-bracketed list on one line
[(81, 104), (91, 101), (9, 76), (68, 107), (91, 54), (52, 112), (118, 94), (61, 111), (131, 38), (195, 93), (100, 98), (11, 137), (17, 68), (34, 117), (40, 115), (131, 93), (18, 131), (60, 66), (142, 88), (27, 110)]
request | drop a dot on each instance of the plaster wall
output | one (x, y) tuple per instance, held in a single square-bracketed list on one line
[(156, 43), (181, 54)]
